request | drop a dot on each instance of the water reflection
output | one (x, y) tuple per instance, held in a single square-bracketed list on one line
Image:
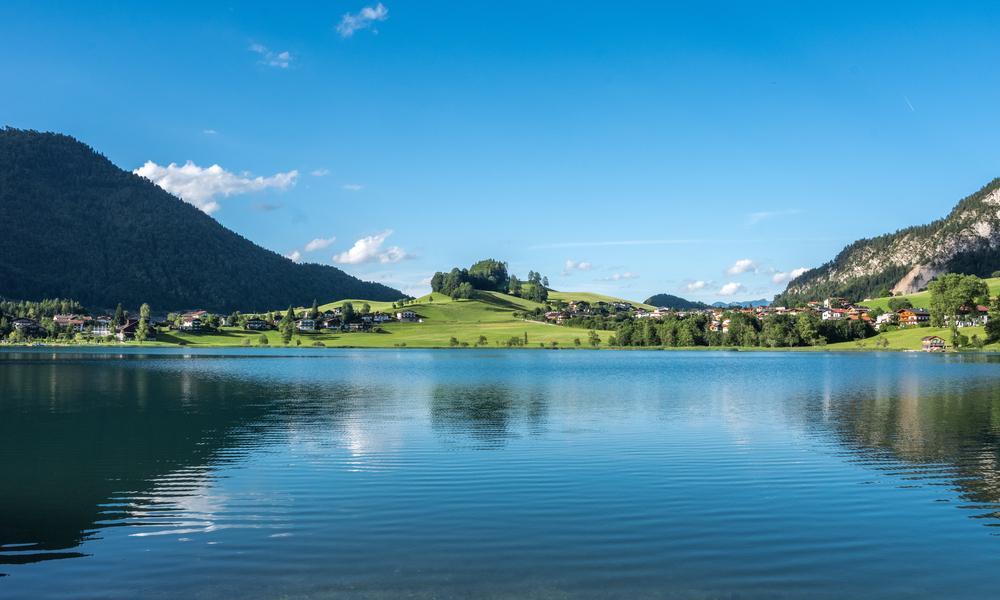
[(509, 474), (487, 413)]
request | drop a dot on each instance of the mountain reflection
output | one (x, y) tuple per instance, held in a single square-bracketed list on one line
[(88, 442), (924, 431)]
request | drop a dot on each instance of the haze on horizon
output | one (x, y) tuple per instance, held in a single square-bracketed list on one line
[(708, 152)]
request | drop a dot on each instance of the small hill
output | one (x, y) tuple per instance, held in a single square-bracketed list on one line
[(593, 298), (674, 302), (966, 241), (76, 226)]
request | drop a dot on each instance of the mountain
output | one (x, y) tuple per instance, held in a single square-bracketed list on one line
[(77, 226), (965, 241), (674, 302), (743, 304)]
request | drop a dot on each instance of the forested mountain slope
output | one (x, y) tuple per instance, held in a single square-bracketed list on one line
[(966, 241), (76, 226)]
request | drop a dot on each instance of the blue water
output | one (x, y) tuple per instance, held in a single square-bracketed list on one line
[(504, 474)]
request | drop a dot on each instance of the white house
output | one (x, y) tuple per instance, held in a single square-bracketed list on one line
[(306, 325), (406, 315)]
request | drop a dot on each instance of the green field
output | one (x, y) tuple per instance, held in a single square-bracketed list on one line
[(593, 298), (923, 299), (908, 338), (489, 314)]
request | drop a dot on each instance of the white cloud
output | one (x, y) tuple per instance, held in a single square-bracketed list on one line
[(353, 187), (201, 185), (270, 58), (731, 288), (209, 131), (783, 277), (369, 249), (694, 286), (620, 276), (294, 256), (743, 265), (756, 217), (319, 244), (319, 172), (363, 19), (572, 265)]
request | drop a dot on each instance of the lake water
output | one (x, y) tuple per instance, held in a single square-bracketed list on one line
[(499, 474)]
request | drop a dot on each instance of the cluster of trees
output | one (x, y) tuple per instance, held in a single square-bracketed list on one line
[(776, 331), (489, 275)]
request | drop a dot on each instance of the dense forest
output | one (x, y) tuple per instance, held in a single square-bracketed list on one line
[(76, 225)]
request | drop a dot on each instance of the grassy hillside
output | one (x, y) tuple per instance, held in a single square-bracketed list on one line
[(923, 299), (909, 338), (490, 314), (592, 297)]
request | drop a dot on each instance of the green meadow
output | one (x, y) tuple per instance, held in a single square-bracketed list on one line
[(923, 299), (488, 314)]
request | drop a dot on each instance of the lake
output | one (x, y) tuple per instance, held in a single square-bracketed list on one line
[(501, 474)]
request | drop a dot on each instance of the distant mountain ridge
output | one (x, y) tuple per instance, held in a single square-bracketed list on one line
[(966, 241), (743, 304), (77, 226), (674, 302)]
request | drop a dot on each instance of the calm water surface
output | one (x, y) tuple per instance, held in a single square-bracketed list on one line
[(451, 474)]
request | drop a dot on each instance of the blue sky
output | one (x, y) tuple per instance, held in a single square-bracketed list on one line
[(701, 149)]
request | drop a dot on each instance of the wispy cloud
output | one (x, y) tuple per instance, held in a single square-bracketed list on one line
[(268, 57), (200, 186), (694, 286), (352, 187), (369, 249), (756, 217), (910, 104), (743, 265), (573, 265), (732, 288), (209, 132), (319, 244), (620, 276), (784, 277), (319, 172), (363, 19), (294, 256)]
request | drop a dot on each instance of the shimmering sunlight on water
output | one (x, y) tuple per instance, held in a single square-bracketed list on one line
[(343, 473)]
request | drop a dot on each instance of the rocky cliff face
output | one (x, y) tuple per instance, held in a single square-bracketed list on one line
[(966, 241)]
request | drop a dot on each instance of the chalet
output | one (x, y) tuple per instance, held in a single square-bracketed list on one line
[(332, 323), (306, 325), (190, 324), (71, 322), (833, 314), (256, 325), (909, 317), (889, 318), (932, 343), (381, 317), (972, 316), (836, 303), (127, 331), (406, 316), (102, 326), (357, 326)]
